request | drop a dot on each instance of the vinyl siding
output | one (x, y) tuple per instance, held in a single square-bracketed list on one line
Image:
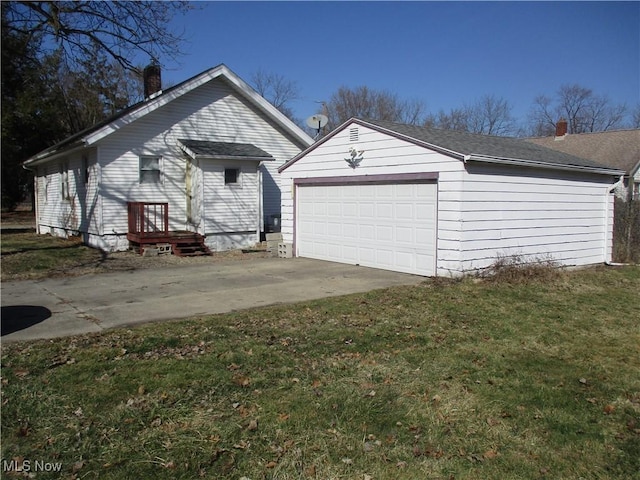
[(79, 211), (212, 112), (536, 214), (384, 155), (484, 211), (230, 209)]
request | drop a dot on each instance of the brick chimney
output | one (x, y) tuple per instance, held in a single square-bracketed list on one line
[(151, 76), (561, 128)]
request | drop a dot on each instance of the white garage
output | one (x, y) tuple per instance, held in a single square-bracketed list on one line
[(434, 202)]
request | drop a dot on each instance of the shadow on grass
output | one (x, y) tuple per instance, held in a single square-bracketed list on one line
[(18, 317), (38, 248)]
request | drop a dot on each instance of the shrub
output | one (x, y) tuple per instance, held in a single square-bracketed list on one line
[(519, 269), (626, 231)]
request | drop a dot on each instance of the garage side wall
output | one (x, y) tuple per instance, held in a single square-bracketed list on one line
[(384, 155), (507, 211)]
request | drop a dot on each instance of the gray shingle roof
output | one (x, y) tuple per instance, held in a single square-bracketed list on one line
[(487, 145), (226, 150)]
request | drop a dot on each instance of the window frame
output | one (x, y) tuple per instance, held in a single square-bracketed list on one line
[(238, 182), (65, 193), (143, 167)]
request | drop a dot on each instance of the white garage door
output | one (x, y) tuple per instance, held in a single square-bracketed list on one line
[(388, 226)]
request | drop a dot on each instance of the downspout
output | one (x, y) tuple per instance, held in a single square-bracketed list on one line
[(260, 212)]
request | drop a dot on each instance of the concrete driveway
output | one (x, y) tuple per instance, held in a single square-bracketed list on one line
[(69, 306)]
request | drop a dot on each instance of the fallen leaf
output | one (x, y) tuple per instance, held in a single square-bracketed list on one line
[(141, 390), (283, 417), (609, 409), (21, 372), (490, 454), (253, 425), (271, 464), (311, 471)]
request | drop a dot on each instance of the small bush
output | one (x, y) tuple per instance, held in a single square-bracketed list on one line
[(517, 269)]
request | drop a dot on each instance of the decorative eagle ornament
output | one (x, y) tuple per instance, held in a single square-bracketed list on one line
[(355, 157)]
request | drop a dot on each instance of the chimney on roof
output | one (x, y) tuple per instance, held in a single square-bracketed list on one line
[(152, 80), (561, 128)]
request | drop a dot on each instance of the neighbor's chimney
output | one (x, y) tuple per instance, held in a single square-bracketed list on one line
[(561, 128), (152, 80)]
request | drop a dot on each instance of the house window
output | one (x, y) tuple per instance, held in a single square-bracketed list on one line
[(64, 181), (232, 176), (150, 170)]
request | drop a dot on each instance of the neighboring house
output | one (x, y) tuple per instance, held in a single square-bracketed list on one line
[(617, 149), (437, 202), (201, 156)]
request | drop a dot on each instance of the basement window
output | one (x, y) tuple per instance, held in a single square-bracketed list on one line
[(232, 177), (150, 170)]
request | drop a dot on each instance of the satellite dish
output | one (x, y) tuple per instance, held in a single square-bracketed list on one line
[(317, 121)]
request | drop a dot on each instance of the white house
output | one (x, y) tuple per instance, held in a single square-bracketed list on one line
[(436, 202), (201, 156)]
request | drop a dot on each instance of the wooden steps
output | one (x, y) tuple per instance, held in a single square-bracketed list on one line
[(189, 246), (183, 244)]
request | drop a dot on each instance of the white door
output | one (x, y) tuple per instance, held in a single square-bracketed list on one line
[(390, 226)]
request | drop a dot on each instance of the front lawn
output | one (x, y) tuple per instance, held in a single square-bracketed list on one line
[(445, 380)]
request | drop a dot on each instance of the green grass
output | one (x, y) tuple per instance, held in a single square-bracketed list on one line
[(30, 256), (449, 379)]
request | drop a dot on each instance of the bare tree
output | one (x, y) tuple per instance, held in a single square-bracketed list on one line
[(583, 110), (365, 102), (635, 117), (490, 115), (120, 29), (277, 90)]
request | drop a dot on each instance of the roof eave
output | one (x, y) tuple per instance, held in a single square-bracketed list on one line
[(221, 71), (50, 155), (545, 165)]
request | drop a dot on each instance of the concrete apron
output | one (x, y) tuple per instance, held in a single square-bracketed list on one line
[(61, 307)]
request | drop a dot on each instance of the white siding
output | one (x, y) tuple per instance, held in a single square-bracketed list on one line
[(212, 112), (385, 155), (78, 211), (230, 209), (484, 211), (537, 214)]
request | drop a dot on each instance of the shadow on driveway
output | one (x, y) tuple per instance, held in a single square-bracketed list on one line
[(18, 317)]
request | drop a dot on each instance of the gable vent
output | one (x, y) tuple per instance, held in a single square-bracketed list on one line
[(353, 134)]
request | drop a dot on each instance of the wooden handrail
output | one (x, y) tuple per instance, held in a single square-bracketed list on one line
[(146, 218)]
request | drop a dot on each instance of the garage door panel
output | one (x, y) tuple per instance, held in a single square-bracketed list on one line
[(378, 225), (384, 210)]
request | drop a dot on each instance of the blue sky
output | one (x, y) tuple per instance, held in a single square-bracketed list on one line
[(444, 53)]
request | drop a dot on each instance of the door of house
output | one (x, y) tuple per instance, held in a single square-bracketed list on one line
[(191, 191)]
